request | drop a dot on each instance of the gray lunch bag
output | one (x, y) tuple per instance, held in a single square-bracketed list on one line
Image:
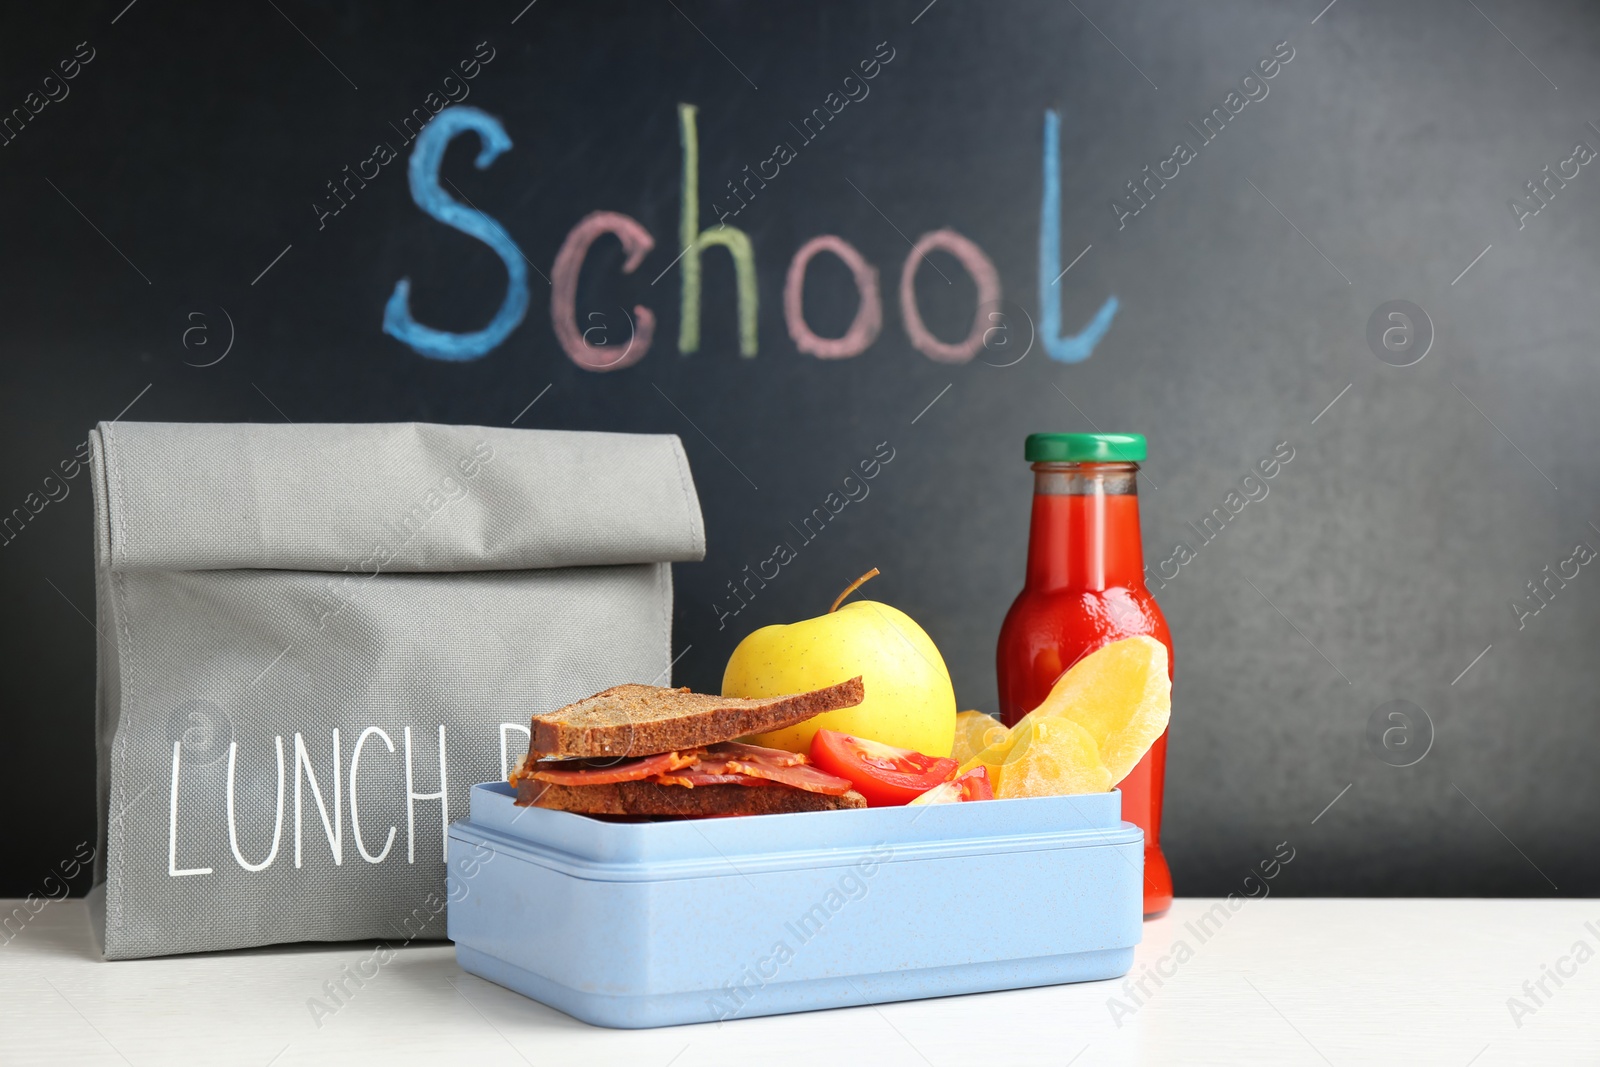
[(314, 639)]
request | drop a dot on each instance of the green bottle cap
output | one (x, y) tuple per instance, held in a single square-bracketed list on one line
[(1085, 448)]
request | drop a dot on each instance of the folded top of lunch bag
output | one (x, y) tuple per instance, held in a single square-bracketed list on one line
[(369, 497)]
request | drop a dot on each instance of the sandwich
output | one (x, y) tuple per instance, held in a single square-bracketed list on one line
[(649, 750)]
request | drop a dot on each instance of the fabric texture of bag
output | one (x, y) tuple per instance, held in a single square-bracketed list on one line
[(314, 639)]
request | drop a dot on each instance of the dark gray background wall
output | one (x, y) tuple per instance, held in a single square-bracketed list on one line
[(1383, 565)]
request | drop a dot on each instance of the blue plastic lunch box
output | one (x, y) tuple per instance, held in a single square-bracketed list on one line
[(636, 924)]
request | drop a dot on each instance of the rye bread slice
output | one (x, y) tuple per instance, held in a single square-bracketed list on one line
[(643, 720), (651, 798)]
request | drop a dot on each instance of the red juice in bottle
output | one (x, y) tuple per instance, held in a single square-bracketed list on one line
[(1085, 588)]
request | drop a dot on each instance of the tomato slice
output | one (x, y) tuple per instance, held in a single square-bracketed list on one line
[(885, 775), (974, 785)]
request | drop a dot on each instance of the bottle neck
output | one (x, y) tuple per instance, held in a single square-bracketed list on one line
[(1085, 529)]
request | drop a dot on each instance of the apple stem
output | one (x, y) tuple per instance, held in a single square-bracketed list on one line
[(851, 588)]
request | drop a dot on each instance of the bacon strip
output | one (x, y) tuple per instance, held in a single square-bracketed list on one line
[(727, 763), (732, 761), (693, 777), (776, 757), (633, 770), (720, 758), (799, 775)]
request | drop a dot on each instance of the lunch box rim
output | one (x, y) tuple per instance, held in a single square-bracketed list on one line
[(631, 852)]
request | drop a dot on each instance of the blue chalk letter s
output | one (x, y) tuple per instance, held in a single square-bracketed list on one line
[(424, 172), (1062, 349)]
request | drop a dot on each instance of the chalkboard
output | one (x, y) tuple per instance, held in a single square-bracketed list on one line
[(1359, 237)]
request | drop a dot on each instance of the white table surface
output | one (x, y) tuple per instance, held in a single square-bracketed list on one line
[(1281, 982)]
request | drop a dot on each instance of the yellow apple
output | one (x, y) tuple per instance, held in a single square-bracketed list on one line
[(909, 701)]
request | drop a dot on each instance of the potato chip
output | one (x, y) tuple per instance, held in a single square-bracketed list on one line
[(1120, 694), (1052, 757)]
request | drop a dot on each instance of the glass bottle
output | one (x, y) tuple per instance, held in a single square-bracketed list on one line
[(1085, 588)]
